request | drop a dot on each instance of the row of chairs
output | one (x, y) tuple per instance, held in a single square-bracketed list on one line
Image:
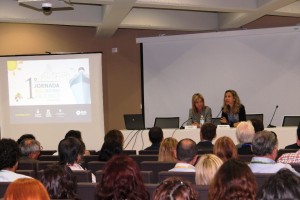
[(87, 190), (173, 122), (93, 152)]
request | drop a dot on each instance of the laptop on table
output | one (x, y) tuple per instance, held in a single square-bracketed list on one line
[(134, 121)]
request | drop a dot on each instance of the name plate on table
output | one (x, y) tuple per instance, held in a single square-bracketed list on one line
[(190, 127), (223, 126)]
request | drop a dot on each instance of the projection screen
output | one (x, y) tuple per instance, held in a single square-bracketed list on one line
[(48, 95), (261, 65)]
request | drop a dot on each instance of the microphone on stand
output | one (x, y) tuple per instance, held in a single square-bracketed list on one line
[(270, 124), (182, 127), (213, 121)]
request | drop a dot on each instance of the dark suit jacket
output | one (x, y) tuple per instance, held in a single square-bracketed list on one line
[(242, 114), (245, 149), (292, 146), (205, 146), (153, 147)]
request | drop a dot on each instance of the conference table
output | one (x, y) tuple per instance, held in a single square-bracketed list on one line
[(139, 139)]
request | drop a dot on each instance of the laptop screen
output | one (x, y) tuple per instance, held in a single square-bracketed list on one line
[(134, 121)]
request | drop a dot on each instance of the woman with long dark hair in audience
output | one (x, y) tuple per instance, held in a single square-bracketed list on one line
[(282, 185), (60, 182), (121, 180), (70, 152), (174, 188), (113, 145), (233, 111), (234, 180)]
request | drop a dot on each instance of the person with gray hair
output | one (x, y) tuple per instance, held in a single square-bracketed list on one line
[(187, 155), (264, 148), (30, 149), (244, 133)]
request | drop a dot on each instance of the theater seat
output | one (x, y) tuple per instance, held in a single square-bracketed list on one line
[(3, 187), (156, 167), (86, 191), (189, 176), (203, 191)]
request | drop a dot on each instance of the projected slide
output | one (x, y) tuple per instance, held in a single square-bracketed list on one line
[(49, 90)]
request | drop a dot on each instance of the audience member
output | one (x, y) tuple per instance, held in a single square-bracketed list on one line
[(26, 189), (114, 135), (25, 136), (234, 180), (77, 134), (225, 149), (175, 188), (206, 168), (155, 137), (244, 133), (187, 155), (121, 180), (167, 150), (264, 148), (60, 182), (282, 185), (30, 149), (9, 155), (290, 158), (70, 152), (297, 144), (113, 145), (257, 124), (109, 149), (207, 134)]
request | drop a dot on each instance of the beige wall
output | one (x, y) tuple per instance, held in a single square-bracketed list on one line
[(121, 71)]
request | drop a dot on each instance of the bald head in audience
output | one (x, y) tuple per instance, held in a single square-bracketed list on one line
[(186, 151)]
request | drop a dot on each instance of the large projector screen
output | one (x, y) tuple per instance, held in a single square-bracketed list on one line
[(261, 65), (47, 95)]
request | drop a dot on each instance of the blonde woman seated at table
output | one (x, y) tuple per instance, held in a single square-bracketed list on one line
[(167, 150), (199, 109), (206, 168)]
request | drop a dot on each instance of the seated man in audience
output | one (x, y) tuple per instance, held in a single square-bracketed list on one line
[(187, 155), (9, 155), (292, 158), (257, 124), (30, 150), (155, 136), (25, 136), (264, 148), (244, 133), (207, 134), (297, 144)]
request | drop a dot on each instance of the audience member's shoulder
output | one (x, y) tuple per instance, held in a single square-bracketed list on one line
[(292, 146)]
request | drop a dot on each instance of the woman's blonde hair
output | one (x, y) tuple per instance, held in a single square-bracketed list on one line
[(225, 148), (26, 189), (195, 98), (237, 102), (167, 150), (206, 168)]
